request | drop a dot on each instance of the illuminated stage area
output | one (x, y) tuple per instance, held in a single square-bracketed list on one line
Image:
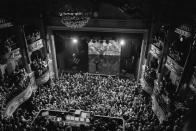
[(104, 57), (98, 52)]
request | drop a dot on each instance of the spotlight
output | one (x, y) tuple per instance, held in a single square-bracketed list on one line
[(122, 42), (75, 40)]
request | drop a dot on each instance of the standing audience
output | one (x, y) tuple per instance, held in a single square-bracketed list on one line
[(102, 95)]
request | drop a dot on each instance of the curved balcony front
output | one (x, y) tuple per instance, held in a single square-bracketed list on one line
[(21, 97)]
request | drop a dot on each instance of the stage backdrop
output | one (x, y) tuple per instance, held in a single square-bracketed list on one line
[(104, 57)]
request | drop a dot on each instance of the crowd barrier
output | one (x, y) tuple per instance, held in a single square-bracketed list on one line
[(74, 118)]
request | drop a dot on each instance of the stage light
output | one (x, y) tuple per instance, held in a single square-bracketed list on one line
[(181, 39), (122, 42), (75, 40)]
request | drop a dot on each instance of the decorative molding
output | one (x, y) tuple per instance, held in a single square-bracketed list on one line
[(43, 79), (183, 30), (105, 23), (21, 98), (98, 29), (173, 66), (183, 33), (36, 45), (155, 51), (15, 54)]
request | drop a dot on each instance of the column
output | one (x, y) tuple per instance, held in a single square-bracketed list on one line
[(43, 36), (24, 48), (142, 55), (52, 54)]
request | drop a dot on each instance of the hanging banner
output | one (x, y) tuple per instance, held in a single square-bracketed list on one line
[(15, 54), (173, 66), (155, 51), (4, 23), (36, 45), (184, 30), (17, 101)]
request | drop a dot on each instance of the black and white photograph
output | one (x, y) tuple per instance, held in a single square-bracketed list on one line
[(97, 65)]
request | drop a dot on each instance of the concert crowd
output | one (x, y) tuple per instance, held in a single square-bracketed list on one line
[(39, 66), (103, 95)]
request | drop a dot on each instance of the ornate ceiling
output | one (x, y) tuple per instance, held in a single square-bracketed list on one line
[(136, 9)]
